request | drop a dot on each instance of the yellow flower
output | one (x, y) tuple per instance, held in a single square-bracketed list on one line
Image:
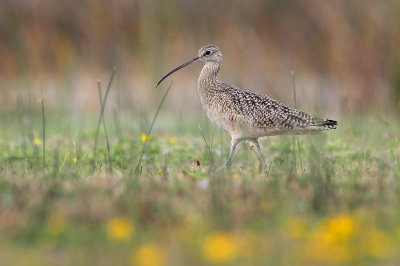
[(172, 140), (331, 241), (37, 142), (75, 160), (148, 255), (120, 229), (56, 224), (219, 248), (337, 228), (145, 137)]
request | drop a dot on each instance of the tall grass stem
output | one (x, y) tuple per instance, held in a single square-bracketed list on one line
[(209, 148), (105, 130), (102, 106), (44, 139), (137, 170)]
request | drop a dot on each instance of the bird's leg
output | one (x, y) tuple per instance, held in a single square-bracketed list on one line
[(262, 159), (234, 143)]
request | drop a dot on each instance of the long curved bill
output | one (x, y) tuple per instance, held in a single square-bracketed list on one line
[(177, 68)]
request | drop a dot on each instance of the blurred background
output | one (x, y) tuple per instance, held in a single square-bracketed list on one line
[(345, 54), (72, 193)]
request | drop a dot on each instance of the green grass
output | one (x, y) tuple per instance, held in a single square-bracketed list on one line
[(342, 208)]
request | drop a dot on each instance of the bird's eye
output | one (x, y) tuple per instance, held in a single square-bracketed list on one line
[(207, 52)]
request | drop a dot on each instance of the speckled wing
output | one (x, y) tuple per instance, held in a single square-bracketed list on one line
[(261, 111)]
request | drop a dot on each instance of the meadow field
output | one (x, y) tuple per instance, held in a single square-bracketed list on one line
[(135, 198)]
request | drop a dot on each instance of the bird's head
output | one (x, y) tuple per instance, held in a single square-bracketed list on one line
[(208, 53)]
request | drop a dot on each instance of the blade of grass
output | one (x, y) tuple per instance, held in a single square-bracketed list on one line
[(102, 106), (76, 151), (117, 110), (205, 140), (138, 167), (105, 130), (44, 139), (209, 148), (23, 133)]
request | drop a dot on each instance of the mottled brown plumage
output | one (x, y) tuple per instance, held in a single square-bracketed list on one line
[(245, 114)]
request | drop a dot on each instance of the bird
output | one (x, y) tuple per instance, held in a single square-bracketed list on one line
[(247, 115)]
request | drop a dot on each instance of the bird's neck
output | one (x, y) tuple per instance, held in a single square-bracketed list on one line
[(208, 75)]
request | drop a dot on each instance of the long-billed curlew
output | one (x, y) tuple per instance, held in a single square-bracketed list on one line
[(245, 114)]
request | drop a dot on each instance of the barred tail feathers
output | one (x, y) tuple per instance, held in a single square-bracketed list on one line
[(329, 124), (318, 127)]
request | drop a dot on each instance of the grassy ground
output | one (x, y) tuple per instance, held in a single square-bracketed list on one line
[(333, 201)]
